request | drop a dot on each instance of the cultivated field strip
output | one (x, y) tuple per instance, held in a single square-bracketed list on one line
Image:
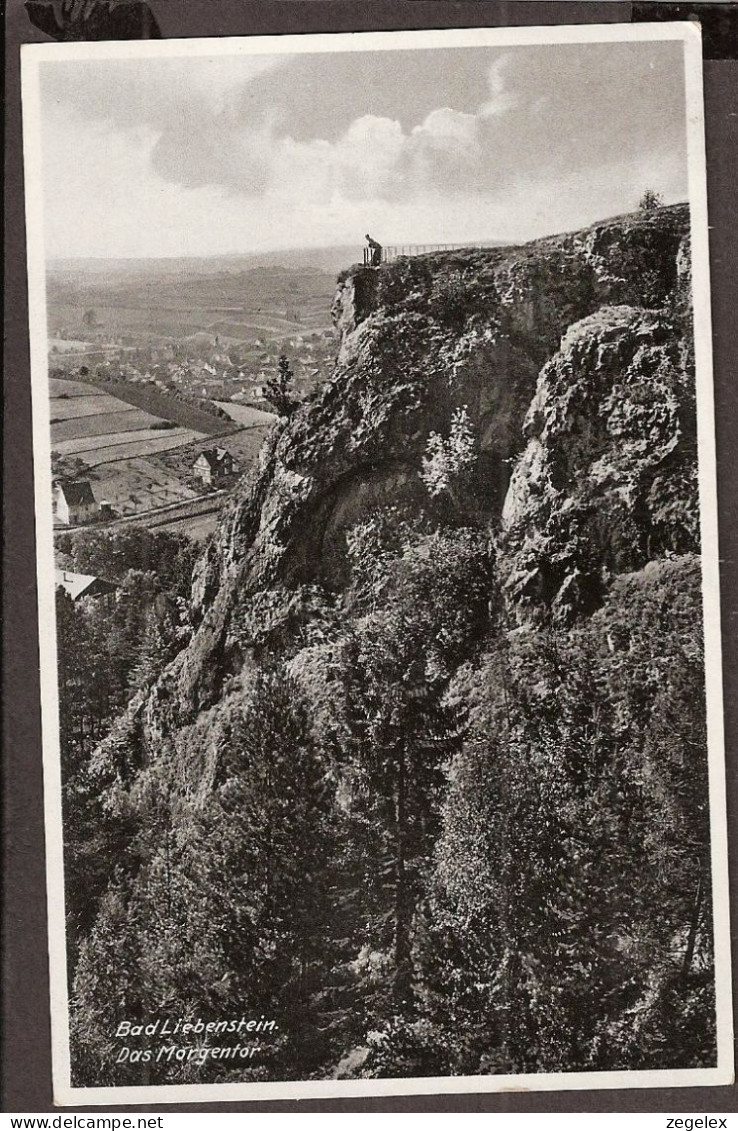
[(105, 424), (72, 408), (121, 445), (160, 404), (60, 387), (246, 416)]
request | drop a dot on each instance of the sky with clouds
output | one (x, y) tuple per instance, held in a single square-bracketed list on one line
[(217, 155)]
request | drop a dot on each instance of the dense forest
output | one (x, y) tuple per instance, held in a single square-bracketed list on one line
[(414, 763)]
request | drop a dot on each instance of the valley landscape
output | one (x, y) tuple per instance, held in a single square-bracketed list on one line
[(151, 363)]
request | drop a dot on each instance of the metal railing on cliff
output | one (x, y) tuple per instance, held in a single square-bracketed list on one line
[(394, 251)]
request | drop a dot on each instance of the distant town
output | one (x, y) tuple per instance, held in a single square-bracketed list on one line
[(204, 365), (159, 397)]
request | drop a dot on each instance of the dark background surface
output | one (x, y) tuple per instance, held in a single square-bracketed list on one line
[(26, 1051)]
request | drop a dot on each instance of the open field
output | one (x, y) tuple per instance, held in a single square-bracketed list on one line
[(139, 476), (132, 485), (197, 519), (106, 431), (166, 407), (245, 416), (90, 426), (134, 466), (72, 408), (196, 516), (122, 445), (96, 426), (158, 300), (63, 389)]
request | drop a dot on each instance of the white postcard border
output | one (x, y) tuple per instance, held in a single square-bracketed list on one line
[(32, 55)]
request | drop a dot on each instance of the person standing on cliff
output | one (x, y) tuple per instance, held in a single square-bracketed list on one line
[(376, 251)]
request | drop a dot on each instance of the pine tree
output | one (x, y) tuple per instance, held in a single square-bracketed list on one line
[(396, 664), (229, 910), (280, 389), (568, 924)]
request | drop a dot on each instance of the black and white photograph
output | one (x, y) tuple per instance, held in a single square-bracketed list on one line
[(377, 561)]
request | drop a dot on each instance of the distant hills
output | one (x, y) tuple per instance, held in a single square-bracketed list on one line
[(329, 259)]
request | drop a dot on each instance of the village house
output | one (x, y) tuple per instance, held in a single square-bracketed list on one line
[(80, 585), (74, 502), (213, 465)]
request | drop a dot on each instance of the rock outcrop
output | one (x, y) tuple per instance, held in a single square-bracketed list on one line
[(572, 357), (607, 480)]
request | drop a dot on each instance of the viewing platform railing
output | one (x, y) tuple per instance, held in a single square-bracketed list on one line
[(394, 251)]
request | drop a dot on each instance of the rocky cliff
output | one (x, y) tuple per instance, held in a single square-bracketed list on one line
[(428, 784), (572, 357)]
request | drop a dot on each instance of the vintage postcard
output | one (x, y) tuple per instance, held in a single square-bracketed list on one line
[(377, 564)]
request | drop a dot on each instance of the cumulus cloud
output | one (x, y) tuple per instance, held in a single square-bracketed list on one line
[(500, 97), (422, 143), (374, 156), (540, 112)]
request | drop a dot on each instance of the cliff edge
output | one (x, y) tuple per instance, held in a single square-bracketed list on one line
[(526, 339)]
